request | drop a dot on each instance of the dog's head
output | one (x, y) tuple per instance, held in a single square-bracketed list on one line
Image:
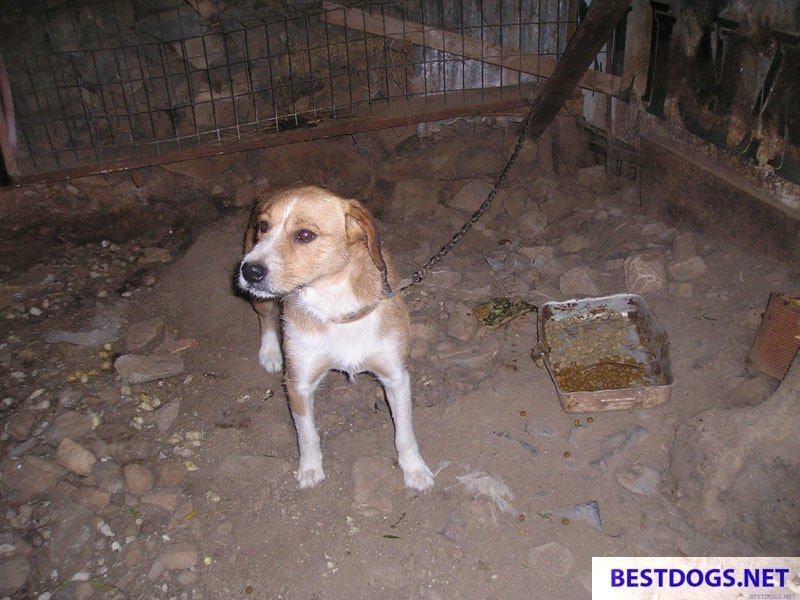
[(303, 235)]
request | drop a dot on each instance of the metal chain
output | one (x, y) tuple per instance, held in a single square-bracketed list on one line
[(421, 273)]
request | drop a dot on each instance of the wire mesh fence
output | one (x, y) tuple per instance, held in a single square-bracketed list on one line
[(98, 81)]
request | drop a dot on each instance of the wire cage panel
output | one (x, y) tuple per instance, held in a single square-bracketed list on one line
[(89, 89)]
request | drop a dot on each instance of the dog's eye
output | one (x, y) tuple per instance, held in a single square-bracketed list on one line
[(305, 236), (261, 226)]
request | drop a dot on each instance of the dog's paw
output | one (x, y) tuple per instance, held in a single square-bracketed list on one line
[(308, 478), (269, 355), (418, 478)]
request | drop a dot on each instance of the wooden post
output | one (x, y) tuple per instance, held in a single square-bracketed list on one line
[(584, 45)]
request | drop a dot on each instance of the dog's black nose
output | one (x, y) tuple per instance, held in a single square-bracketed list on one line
[(253, 272)]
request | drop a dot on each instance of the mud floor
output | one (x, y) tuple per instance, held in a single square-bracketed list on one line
[(182, 486)]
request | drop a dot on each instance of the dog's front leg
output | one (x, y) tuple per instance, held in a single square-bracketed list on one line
[(396, 382), (269, 354), (301, 401)]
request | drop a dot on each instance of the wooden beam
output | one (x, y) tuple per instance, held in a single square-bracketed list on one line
[(583, 46), (461, 45), (398, 112)]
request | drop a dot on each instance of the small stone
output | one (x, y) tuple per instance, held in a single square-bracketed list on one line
[(578, 282), (574, 243), (534, 252), (165, 500), (74, 457), (166, 415), (412, 198), (640, 479), (684, 245), (170, 474), (137, 449), (178, 556), (143, 333), (155, 570), (589, 512), (461, 324), (186, 577), (138, 478), (182, 515), (30, 478), (154, 255), (136, 368), (108, 476), (91, 497), (688, 269), (14, 572), (645, 274), (681, 289), (217, 190), (551, 558), (69, 424), (19, 427), (470, 197), (134, 553), (72, 538), (532, 222)]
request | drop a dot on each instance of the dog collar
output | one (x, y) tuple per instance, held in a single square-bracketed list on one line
[(357, 315)]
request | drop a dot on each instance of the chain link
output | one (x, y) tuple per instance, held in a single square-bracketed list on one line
[(421, 273)]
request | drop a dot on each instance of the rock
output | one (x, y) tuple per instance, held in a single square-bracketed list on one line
[(74, 457), (617, 443), (461, 324), (578, 282), (186, 577), (375, 481), (137, 368), (245, 195), (182, 515), (152, 254), (681, 289), (14, 572), (389, 576), (170, 474), (155, 571), (108, 476), (688, 269), (167, 500), (593, 177), (178, 556), (133, 450), (19, 427), (412, 198), (69, 424), (640, 479), (531, 223), (513, 201), (589, 512), (464, 159), (644, 274), (470, 197), (444, 278), (534, 252), (72, 538), (253, 469), (166, 415), (91, 497), (142, 333), (684, 245), (138, 478), (574, 243), (30, 478), (134, 553), (477, 358), (552, 559), (104, 329)]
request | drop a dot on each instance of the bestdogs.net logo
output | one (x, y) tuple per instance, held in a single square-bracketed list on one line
[(668, 578)]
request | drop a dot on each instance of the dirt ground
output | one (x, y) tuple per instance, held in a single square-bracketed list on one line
[(182, 487)]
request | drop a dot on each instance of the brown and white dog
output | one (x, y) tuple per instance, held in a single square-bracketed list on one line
[(320, 255)]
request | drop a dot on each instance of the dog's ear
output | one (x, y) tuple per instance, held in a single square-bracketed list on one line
[(360, 226), (250, 235)]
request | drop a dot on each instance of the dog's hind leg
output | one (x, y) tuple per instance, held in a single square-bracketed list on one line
[(269, 354), (396, 382)]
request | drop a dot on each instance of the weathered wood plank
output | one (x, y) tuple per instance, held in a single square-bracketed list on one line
[(466, 46)]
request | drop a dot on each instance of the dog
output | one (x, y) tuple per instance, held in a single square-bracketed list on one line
[(319, 256)]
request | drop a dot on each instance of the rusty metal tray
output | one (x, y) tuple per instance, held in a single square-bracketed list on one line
[(627, 336)]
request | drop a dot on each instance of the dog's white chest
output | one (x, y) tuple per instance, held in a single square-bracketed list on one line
[(348, 345)]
